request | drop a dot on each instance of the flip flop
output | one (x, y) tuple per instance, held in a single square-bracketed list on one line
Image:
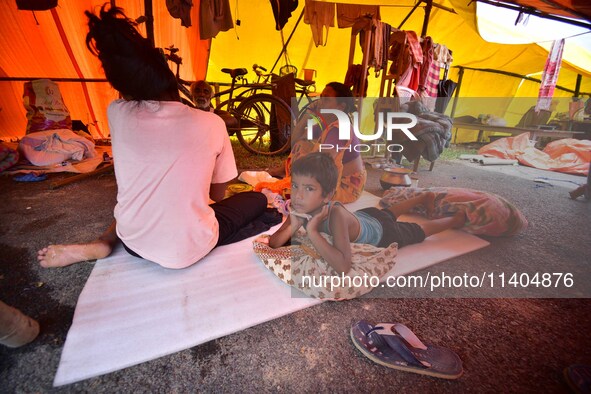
[(578, 377), (30, 177), (394, 345)]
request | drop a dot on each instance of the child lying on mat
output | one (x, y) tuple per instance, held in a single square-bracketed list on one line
[(314, 179)]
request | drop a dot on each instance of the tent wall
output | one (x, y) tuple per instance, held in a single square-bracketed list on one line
[(31, 50), (55, 48)]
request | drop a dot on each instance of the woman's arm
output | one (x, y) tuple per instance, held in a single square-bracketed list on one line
[(217, 191), (338, 255)]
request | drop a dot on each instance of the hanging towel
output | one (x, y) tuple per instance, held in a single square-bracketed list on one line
[(347, 14), (318, 15), (427, 48), (550, 75)]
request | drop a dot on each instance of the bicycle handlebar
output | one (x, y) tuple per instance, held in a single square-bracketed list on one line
[(256, 66)]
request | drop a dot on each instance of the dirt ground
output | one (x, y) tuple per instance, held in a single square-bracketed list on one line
[(507, 344)]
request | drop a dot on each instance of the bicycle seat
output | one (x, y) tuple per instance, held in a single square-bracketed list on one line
[(303, 83), (235, 72)]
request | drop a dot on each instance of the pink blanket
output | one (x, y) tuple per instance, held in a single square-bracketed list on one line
[(486, 213), (566, 155)]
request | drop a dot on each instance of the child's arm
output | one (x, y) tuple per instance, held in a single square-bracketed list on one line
[(285, 232), (338, 255)]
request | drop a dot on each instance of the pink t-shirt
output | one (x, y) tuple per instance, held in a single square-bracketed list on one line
[(166, 155)]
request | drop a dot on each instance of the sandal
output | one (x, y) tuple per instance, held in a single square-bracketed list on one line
[(578, 378), (394, 345), (30, 177)]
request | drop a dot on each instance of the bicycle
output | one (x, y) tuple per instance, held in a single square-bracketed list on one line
[(261, 122), (251, 101)]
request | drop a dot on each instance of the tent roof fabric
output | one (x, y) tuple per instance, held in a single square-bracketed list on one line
[(50, 44), (576, 9)]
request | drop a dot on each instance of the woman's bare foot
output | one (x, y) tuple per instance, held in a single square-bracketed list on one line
[(64, 255)]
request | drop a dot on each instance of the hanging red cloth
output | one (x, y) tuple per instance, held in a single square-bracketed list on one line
[(550, 75)]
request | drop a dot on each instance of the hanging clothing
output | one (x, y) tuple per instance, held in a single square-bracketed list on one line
[(429, 76), (386, 31), (415, 47), (427, 48), (354, 77), (347, 14), (180, 9), (378, 45), (550, 75), (399, 53), (442, 55), (282, 10), (319, 15), (445, 90), (214, 16), (374, 28)]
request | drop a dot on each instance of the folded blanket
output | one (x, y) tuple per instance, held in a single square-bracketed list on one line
[(49, 147)]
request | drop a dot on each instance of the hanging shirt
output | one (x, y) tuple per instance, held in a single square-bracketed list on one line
[(319, 15), (214, 16)]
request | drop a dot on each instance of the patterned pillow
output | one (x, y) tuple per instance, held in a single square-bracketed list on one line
[(486, 213), (300, 266)]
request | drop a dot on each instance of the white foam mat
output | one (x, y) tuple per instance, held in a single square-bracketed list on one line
[(131, 311)]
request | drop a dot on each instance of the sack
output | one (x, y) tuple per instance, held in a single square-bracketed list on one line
[(301, 267), (45, 106)]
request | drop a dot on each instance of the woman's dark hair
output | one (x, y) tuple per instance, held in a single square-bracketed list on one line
[(131, 64), (344, 95), (319, 166)]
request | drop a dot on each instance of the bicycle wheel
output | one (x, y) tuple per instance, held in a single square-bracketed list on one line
[(265, 125)]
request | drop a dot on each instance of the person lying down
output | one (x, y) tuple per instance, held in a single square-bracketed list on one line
[(314, 179)]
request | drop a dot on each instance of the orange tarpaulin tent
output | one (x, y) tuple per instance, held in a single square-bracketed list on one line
[(50, 44)]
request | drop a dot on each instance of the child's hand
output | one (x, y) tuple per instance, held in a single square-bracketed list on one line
[(296, 221), (317, 219)]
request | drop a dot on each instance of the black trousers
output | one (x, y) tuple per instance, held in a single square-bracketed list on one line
[(233, 215), (236, 212)]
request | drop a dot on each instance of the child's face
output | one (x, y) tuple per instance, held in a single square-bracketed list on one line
[(306, 194)]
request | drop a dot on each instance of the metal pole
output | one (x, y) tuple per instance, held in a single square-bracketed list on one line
[(149, 21), (409, 14), (456, 96), (578, 86), (288, 40), (427, 15)]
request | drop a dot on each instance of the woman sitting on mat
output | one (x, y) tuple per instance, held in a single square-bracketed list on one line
[(169, 160), (353, 174), (314, 178)]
